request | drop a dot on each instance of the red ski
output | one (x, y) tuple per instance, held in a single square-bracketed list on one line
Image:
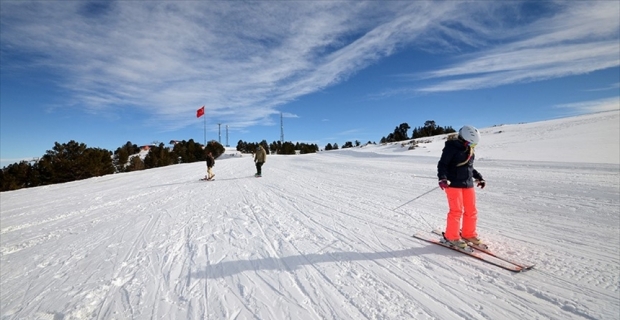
[(484, 248), (480, 255)]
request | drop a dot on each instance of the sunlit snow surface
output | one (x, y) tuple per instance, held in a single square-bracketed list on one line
[(317, 237)]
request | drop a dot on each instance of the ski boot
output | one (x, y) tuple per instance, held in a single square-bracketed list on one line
[(457, 244), (476, 243)]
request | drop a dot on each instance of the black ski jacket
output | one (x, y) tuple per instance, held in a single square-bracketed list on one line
[(210, 161), (457, 166)]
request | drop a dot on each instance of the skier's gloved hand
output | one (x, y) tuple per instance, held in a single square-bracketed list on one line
[(443, 184), (481, 183)]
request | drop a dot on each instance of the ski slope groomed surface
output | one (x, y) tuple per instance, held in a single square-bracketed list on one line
[(326, 235)]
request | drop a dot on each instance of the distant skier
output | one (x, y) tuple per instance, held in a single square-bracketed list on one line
[(456, 174), (259, 158), (210, 164)]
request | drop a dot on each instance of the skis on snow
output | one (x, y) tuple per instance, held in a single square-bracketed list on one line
[(484, 248), (480, 253)]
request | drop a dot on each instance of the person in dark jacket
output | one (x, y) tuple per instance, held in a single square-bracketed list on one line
[(260, 157), (456, 174), (210, 163)]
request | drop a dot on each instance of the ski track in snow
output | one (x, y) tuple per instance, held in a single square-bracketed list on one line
[(321, 236)]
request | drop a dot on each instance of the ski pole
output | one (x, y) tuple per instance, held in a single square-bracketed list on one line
[(416, 198)]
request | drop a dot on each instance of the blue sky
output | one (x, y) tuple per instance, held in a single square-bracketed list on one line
[(104, 73)]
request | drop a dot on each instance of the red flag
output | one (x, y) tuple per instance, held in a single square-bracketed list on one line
[(200, 112)]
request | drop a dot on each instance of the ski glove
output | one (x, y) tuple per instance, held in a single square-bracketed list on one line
[(443, 184), (481, 183)]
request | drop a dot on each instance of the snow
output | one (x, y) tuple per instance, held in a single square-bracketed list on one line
[(326, 236)]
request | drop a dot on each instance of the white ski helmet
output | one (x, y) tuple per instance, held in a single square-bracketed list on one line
[(470, 134)]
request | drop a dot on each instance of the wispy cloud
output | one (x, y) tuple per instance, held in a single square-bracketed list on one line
[(167, 58), (581, 37), (289, 115), (614, 86), (600, 105), (245, 59)]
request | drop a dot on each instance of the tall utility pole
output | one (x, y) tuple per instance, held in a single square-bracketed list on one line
[(281, 129), (227, 136), (219, 133)]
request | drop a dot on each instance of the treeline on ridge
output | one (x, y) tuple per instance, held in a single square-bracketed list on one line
[(400, 133), (277, 147), (75, 161), (429, 129)]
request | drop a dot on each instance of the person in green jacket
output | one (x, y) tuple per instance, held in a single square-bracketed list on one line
[(259, 158)]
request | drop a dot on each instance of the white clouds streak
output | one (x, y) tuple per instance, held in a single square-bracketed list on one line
[(579, 39), (600, 105), (244, 59), (241, 61)]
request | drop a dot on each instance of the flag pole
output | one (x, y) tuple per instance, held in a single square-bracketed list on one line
[(201, 113)]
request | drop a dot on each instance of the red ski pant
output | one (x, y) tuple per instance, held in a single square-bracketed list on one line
[(462, 202)]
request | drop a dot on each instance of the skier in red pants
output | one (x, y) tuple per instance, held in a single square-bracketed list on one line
[(456, 174)]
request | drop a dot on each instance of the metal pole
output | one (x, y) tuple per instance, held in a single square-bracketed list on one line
[(281, 129)]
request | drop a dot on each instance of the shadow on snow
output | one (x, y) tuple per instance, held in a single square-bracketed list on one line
[(229, 268)]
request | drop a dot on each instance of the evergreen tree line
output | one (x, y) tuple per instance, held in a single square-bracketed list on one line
[(75, 161), (429, 129), (400, 133), (277, 147), (346, 145), (65, 162)]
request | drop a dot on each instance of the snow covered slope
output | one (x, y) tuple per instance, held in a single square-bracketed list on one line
[(589, 138), (318, 236)]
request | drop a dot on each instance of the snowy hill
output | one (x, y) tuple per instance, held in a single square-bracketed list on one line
[(318, 236), (589, 139)]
